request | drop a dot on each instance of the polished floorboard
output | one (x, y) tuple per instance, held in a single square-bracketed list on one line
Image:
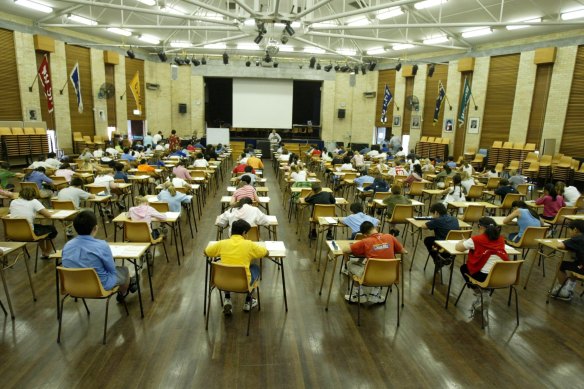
[(305, 347)]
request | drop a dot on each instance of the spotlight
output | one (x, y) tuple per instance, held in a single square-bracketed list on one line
[(337, 68), (131, 53), (300, 66), (267, 58), (431, 69), (257, 62), (275, 64), (372, 65), (248, 63), (414, 70), (187, 61), (398, 66), (345, 68), (363, 69), (312, 62), (178, 61), (261, 27), (318, 66), (328, 68), (258, 38), (203, 61), (195, 61), (162, 56), (289, 29), (284, 39), (225, 58)]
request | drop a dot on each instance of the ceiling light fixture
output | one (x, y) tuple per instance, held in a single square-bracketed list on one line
[(203, 61), (195, 61), (181, 44), (187, 61), (267, 58), (337, 67), (429, 3), (345, 68), (372, 66), (478, 32), (148, 2), (258, 38), (436, 40), (34, 5), (389, 13), (178, 61), (415, 69), (289, 29), (328, 67), (402, 46), (82, 20), (570, 15), (346, 51), (398, 67), (248, 63), (356, 69), (275, 64), (520, 26), (318, 67), (247, 46), (284, 39), (225, 58), (149, 39), (363, 69), (162, 56), (119, 31), (361, 21), (314, 50), (376, 51), (218, 46)]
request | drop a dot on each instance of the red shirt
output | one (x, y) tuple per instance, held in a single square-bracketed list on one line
[(377, 246), (173, 142), (241, 168), (476, 260)]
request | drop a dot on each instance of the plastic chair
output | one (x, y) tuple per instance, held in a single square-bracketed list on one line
[(84, 284), (19, 230), (452, 235), (492, 183), (508, 201), (475, 192), (559, 220), (378, 273), (233, 279), (503, 274), (527, 242), (139, 232), (472, 213), (401, 214)]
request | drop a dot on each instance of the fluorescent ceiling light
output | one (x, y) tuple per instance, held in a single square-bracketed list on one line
[(147, 2), (576, 14), (212, 15), (346, 51), (149, 39), (519, 26), (181, 44), (295, 24), (402, 46), (361, 21), (376, 51), (174, 10), (436, 40), (325, 24), (249, 22), (82, 20), (248, 46), (314, 50), (429, 3), (119, 31), (478, 32), (286, 48), (219, 46), (389, 13), (34, 5)]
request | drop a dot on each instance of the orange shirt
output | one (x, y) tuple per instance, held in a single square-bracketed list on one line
[(377, 246), (255, 163), (146, 168)]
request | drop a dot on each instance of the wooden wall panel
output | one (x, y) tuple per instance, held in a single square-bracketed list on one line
[(543, 78), (386, 77), (111, 102), (573, 136), (407, 113), (47, 117), (80, 122), (10, 107), (499, 100), (133, 65), (428, 127)]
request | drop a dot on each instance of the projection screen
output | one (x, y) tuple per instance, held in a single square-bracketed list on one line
[(262, 103)]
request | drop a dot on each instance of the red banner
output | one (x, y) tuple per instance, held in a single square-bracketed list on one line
[(45, 77)]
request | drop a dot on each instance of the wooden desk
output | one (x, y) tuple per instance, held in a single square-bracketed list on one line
[(10, 248), (264, 203), (272, 228)]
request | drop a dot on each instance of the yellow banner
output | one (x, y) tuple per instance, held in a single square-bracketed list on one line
[(135, 88)]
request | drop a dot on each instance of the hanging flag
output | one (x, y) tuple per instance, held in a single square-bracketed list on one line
[(135, 88), (466, 93), (386, 100), (439, 101), (45, 77), (74, 76)]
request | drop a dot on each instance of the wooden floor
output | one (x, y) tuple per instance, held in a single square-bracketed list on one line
[(306, 347)]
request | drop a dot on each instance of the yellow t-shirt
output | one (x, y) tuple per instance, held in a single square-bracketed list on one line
[(237, 251)]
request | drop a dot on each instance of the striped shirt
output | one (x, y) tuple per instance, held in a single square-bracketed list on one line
[(245, 191)]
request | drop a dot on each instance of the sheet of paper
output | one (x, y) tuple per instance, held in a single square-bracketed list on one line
[(330, 220), (275, 246), (264, 199), (5, 249), (62, 213), (126, 251), (272, 218), (172, 215)]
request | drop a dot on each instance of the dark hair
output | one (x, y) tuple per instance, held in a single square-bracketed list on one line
[(366, 227), (492, 230), (248, 169), (346, 159), (447, 168), (242, 201), (316, 188), (84, 222), (119, 167), (438, 207), (418, 169), (76, 181), (522, 204), (65, 165), (243, 155), (577, 224), (51, 155), (356, 207), (27, 193), (551, 189), (246, 179), (173, 132), (40, 169), (456, 179), (450, 158), (240, 227), (200, 155), (143, 161), (503, 182), (126, 150)]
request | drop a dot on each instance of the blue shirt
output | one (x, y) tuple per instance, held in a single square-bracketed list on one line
[(525, 220), (366, 179), (128, 157), (147, 140), (86, 251), (442, 225), (38, 178), (119, 175), (174, 203), (355, 220), (452, 164)]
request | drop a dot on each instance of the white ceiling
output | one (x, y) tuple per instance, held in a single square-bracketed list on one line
[(211, 21)]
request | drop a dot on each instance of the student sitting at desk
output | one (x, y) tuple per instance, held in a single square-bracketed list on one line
[(575, 244), (298, 173), (378, 185), (516, 178), (552, 202), (526, 217), (245, 190), (317, 196), (174, 199), (239, 251), (255, 162), (396, 197), (454, 193), (144, 212), (374, 245), (570, 193), (415, 175), (120, 174), (504, 189), (200, 161), (242, 210), (442, 223), (484, 250), (39, 177), (65, 171), (180, 171), (87, 252), (446, 172), (357, 218), (144, 167), (249, 172)]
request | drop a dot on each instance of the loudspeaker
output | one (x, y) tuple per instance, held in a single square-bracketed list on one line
[(341, 114), (173, 72), (182, 108)]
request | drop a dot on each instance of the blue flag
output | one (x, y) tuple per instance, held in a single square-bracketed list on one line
[(439, 101), (386, 100), (464, 102), (74, 76)]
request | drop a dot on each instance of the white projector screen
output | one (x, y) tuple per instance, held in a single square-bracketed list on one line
[(262, 103)]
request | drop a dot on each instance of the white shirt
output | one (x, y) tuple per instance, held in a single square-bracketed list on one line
[(274, 137), (249, 213), (490, 174), (285, 157), (27, 209), (400, 154), (373, 153), (202, 162), (299, 176), (98, 153), (467, 184), (179, 183), (571, 195), (74, 194), (156, 138), (111, 151), (52, 163), (159, 148), (105, 180), (468, 169)]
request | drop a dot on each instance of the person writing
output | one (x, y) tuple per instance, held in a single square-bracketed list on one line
[(575, 244), (374, 245), (243, 210), (357, 218), (551, 201), (526, 217), (144, 212), (239, 251), (442, 223), (245, 190), (317, 196)]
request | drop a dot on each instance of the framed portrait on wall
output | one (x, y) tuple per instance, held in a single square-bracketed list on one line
[(473, 125), (448, 125), (397, 121), (415, 122)]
